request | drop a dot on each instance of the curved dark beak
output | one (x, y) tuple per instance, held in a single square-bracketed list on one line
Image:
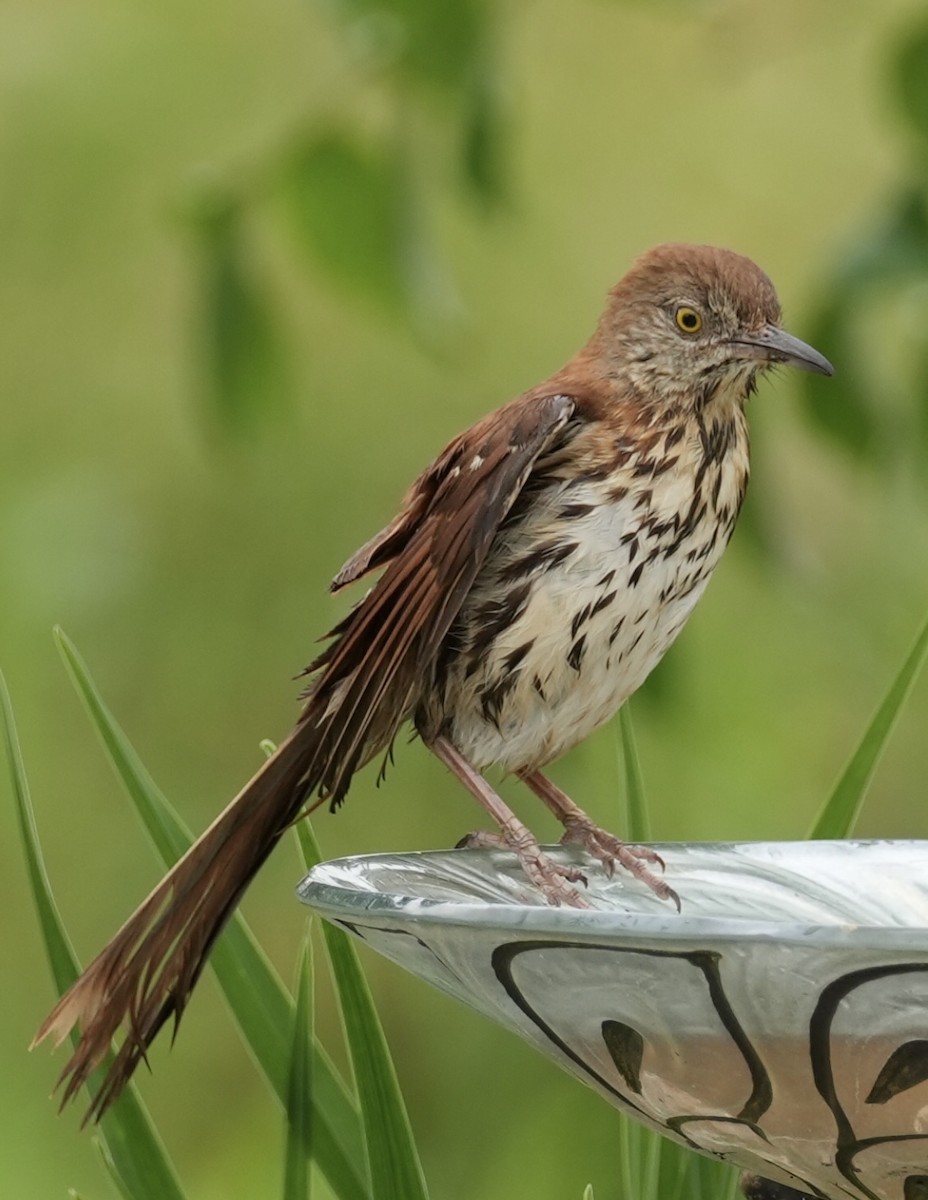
[(774, 345)]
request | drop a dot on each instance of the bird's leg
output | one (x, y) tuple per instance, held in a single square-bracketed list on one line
[(579, 830), (548, 876)]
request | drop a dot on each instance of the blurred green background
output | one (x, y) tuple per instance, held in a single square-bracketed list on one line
[(258, 262)]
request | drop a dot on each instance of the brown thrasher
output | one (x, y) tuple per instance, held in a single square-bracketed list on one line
[(535, 574)]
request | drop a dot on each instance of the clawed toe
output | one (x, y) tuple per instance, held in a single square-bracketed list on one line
[(609, 850), (552, 879)]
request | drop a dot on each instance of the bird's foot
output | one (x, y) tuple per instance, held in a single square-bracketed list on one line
[(552, 879), (609, 850)]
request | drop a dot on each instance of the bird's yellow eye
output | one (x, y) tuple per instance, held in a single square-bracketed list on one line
[(688, 319)]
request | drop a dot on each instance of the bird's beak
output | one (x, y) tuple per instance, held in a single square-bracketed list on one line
[(774, 345)]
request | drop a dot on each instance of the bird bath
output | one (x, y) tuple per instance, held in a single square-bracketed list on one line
[(780, 1021)]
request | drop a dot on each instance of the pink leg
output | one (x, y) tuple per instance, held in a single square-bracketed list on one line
[(580, 830), (548, 876)]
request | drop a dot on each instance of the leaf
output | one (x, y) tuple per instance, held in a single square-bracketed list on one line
[(260, 1004), (483, 150), (894, 250), (132, 1145), (111, 1170), (631, 1136), (299, 1148), (346, 201), (434, 44), (841, 407), (652, 1167), (637, 821), (837, 818), (243, 351), (911, 79), (395, 1170)]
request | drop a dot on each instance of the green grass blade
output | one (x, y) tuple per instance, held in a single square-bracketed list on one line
[(111, 1169), (637, 821), (651, 1164), (588, 1192), (837, 818), (395, 1170), (260, 1004), (132, 1146), (299, 1148), (716, 1180), (61, 956), (629, 1134)]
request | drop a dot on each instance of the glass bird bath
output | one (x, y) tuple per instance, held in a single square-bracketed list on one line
[(780, 1021)]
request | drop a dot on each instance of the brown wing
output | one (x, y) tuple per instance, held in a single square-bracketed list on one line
[(368, 679), (384, 649)]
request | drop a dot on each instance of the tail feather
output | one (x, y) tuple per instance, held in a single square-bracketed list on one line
[(366, 683), (145, 975)]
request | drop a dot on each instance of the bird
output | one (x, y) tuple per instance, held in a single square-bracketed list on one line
[(534, 575)]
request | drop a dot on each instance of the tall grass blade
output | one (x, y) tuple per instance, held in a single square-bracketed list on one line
[(132, 1146), (299, 1148), (395, 1170), (261, 1005), (837, 818), (637, 820)]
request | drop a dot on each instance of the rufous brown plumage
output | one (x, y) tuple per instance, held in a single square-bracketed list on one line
[(535, 574)]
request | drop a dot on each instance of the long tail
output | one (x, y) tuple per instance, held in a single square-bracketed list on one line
[(365, 684), (146, 973)]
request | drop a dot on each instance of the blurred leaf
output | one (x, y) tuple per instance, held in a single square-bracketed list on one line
[(637, 821), (299, 1149), (243, 352), (347, 203), (436, 42), (484, 135), (588, 1192), (261, 1005), (840, 407), (395, 1170), (837, 818), (896, 248), (132, 1146), (911, 78)]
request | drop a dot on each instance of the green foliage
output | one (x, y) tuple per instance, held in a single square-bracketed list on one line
[(129, 1145), (298, 1152), (889, 255), (258, 1000), (484, 141), (355, 198), (244, 356), (377, 1130), (348, 201), (840, 812), (654, 1168), (911, 80), (433, 44), (637, 820), (395, 1170), (114, 518), (894, 252)]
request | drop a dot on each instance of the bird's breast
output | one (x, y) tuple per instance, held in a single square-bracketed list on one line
[(584, 589)]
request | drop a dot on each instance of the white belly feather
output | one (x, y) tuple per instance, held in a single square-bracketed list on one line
[(594, 624)]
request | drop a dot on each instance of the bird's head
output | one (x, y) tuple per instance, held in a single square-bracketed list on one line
[(694, 324)]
